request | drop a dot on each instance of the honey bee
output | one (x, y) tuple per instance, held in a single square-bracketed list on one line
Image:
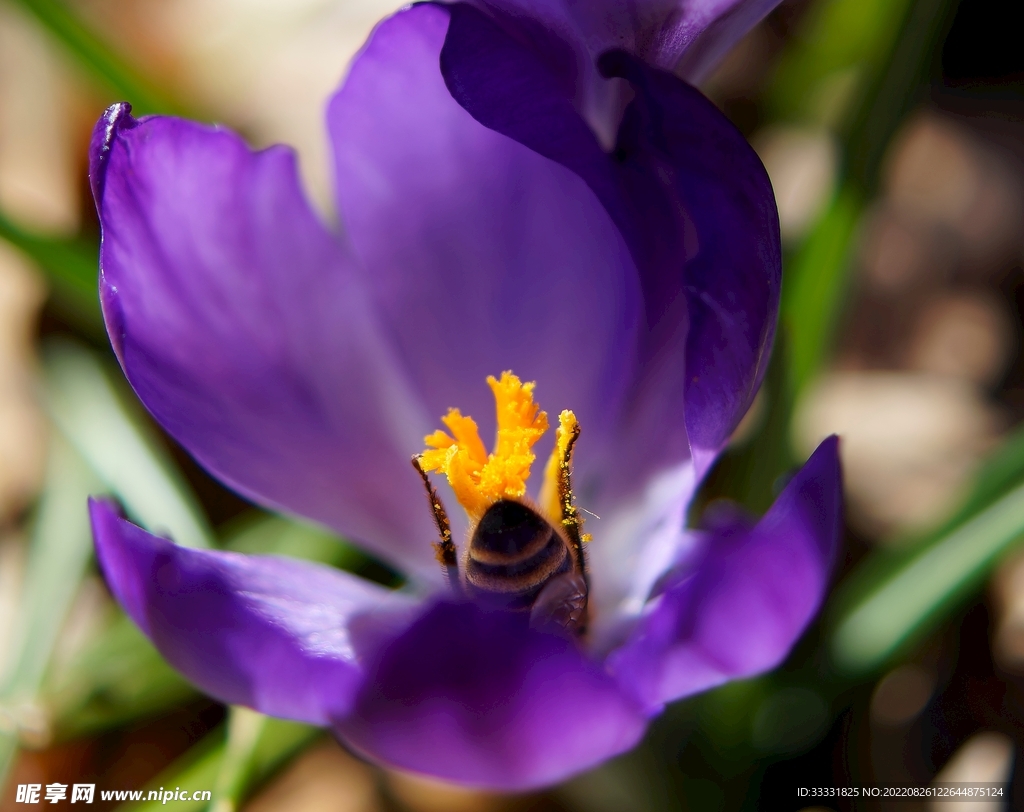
[(518, 560)]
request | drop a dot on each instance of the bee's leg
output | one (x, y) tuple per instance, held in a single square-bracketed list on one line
[(571, 521), (447, 555), (561, 605)]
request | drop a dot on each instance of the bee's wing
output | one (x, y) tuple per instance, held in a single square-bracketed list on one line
[(562, 604)]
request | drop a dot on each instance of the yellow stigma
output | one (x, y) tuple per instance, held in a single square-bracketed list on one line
[(555, 488), (480, 479)]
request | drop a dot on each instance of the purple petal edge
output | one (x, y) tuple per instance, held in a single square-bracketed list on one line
[(740, 608), (242, 325), (285, 637), (116, 117)]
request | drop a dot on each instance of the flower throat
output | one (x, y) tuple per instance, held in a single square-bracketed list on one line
[(520, 556)]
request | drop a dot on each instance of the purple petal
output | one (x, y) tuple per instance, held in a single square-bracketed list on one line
[(241, 324), (747, 600), (285, 637), (686, 36), (724, 254), (634, 545), (699, 36), (698, 213), (482, 254), (479, 698)]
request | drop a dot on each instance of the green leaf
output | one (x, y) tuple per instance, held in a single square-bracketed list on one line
[(1000, 474), (60, 549), (883, 47), (899, 86), (119, 676), (814, 285), (263, 534), (825, 74), (114, 438), (71, 266), (910, 599), (100, 60)]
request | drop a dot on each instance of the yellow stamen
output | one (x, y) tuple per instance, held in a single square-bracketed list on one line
[(479, 479), (551, 492)]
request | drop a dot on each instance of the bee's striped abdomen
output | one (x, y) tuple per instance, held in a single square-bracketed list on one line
[(513, 553)]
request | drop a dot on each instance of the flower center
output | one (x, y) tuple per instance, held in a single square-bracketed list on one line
[(480, 479), (523, 556)]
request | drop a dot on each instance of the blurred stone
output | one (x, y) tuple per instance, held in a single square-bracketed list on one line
[(417, 793), (931, 169), (13, 557), (984, 758), (938, 170), (898, 253), (90, 615), (39, 163), (1008, 594), (742, 71), (901, 695), (22, 426), (909, 443), (323, 779), (964, 335), (38, 188), (802, 164)]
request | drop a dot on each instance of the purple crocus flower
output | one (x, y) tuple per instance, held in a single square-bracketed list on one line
[(485, 229)]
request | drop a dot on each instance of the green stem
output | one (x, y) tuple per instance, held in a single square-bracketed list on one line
[(244, 729)]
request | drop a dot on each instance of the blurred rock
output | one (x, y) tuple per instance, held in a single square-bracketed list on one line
[(983, 758), (323, 779), (22, 426), (13, 556), (417, 793), (901, 695), (1008, 594), (964, 335), (909, 443), (937, 170), (802, 163), (39, 154), (89, 615), (742, 72), (898, 253)]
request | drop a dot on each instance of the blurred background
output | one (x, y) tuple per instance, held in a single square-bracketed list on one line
[(893, 132)]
